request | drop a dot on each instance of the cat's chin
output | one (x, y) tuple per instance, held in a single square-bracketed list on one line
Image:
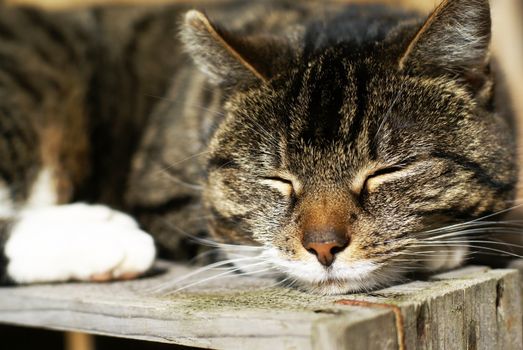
[(358, 284), (339, 287), (339, 278)]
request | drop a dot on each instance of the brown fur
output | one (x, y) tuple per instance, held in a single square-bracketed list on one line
[(409, 106), (363, 117)]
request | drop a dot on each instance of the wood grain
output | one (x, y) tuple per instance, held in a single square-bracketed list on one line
[(474, 307)]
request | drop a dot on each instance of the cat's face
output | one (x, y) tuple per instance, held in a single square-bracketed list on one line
[(358, 151), (344, 167)]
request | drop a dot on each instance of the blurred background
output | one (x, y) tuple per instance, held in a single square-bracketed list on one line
[(507, 47)]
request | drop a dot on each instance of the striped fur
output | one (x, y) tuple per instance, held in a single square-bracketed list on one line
[(332, 100)]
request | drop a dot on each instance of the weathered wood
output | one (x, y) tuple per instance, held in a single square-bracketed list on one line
[(471, 308)]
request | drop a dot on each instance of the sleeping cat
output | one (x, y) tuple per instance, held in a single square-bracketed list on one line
[(339, 145)]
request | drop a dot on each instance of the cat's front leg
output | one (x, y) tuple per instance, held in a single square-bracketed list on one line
[(75, 242)]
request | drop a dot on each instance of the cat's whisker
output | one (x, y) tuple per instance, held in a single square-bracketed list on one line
[(172, 283), (457, 231), (447, 244), (503, 211), (249, 273), (470, 232), (204, 255), (470, 242), (517, 223), (476, 229), (207, 109), (440, 253), (264, 132), (416, 263), (289, 282), (278, 283), (436, 254), (389, 110), (213, 266), (258, 258), (180, 181), (444, 252), (228, 273), (211, 243), (233, 247), (196, 155)]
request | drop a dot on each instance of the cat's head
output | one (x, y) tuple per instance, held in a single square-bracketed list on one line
[(345, 162)]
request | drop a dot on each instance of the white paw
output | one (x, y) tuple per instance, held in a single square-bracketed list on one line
[(77, 242)]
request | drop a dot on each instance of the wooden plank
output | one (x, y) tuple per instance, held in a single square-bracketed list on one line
[(358, 331), (471, 308), (474, 308)]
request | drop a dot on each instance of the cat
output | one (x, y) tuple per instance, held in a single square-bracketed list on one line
[(338, 145)]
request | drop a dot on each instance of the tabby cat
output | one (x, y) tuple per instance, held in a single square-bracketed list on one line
[(338, 145)]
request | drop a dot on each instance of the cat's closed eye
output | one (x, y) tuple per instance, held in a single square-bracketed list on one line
[(285, 184), (382, 175)]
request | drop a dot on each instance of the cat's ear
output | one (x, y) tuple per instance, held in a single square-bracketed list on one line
[(454, 39), (228, 58)]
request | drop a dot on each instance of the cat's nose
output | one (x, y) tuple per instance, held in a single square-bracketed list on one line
[(325, 245)]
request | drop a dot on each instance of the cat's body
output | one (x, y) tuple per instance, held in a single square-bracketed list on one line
[(302, 113)]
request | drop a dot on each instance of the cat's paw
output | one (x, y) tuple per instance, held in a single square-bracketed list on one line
[(77, 242)]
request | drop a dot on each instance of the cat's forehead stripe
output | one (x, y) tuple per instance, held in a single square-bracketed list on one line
[(323, 87), (330, 111)]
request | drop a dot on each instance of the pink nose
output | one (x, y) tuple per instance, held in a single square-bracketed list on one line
[(325, 252), (325, 245)]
